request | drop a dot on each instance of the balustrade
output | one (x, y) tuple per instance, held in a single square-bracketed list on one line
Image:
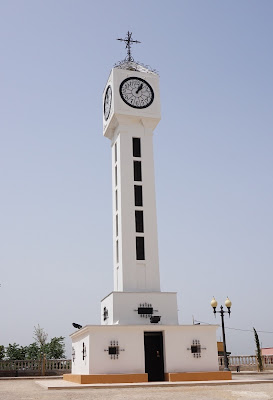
[(45, 367), (64, 366), (247, 362)]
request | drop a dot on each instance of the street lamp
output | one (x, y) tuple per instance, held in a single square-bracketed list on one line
[(222, 312)]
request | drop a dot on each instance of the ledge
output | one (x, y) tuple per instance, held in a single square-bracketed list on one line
[(197, 376), (106, 378)]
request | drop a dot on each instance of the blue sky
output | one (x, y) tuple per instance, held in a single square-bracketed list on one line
[(213, 159)]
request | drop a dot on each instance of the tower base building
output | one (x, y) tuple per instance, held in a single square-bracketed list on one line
[(139, 339), (142, 353)]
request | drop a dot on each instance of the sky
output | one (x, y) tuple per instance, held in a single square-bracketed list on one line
[(212, 149)]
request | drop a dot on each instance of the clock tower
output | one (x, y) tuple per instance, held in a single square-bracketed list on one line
[(139, 338), (131, 112)]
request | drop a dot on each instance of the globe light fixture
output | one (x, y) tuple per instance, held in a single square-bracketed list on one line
[(228, 303)]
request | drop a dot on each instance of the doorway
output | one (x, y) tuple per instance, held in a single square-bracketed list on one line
[(154, 356)]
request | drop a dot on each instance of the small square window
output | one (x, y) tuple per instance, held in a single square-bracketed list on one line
[(113, 350), (196, 349)]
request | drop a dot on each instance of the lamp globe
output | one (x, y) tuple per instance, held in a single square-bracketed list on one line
[(228, 303), (213, 303)]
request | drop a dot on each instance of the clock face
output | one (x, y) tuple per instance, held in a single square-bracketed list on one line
[(136, 92), (107, 102)]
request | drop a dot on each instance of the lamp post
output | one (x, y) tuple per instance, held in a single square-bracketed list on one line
[(222, 312)]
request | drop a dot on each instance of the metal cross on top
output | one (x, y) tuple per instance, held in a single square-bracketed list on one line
[(128, 40)]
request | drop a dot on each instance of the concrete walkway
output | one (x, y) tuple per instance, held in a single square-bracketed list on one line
[(237, 379), (238, 389)]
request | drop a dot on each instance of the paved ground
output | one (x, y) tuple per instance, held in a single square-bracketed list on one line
[(23, 389)]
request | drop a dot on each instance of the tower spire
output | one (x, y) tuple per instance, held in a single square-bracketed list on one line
[(128, 40)]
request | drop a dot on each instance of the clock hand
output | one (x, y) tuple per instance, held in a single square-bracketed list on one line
[(139, 88)]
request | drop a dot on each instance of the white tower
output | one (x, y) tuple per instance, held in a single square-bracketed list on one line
[(139, 338), (131, 111), (130, 127)]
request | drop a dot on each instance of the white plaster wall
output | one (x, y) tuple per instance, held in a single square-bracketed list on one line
[(122, 308), (131, 360), (131, 274), (80, 366), (176, 340), (179, 359), (150, 217)]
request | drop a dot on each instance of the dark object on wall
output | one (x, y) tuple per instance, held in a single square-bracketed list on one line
[(145, 310), (77, 326), (155, 319), (114, 350), (105, 314)]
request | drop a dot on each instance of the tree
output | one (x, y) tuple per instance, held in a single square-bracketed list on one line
[(39, 350), (258, 351), (40, 336), (33, 351), (2, 352), (55, 349), (15, 352)]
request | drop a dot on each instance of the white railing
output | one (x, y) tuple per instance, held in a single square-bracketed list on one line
[(246, 362), (268, 360), (19, 365), (58, 365), (40, 367)]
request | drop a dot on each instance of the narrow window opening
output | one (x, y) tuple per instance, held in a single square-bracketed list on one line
[(116, 153), (140, 253), (139, 221), (137, 171), (136, 147), (117, 253), (117, 225), (116, 196), (116, 176), (138, 196)]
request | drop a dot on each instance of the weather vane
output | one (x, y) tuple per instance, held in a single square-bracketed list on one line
[(128, 40)]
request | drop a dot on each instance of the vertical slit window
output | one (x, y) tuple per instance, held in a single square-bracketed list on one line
[(116, 153), (140, 252), (136, 147), (117, 253), (137, 171), (116, 196), (117, 225), (116, 176), (139, 221), (138, 195)]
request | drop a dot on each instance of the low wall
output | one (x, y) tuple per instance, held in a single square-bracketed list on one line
[(245, 363), (9, 368)]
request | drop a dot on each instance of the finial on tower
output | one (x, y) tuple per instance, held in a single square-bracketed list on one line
[(128, 40)]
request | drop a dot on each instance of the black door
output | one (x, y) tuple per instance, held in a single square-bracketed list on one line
[(154, 359)]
